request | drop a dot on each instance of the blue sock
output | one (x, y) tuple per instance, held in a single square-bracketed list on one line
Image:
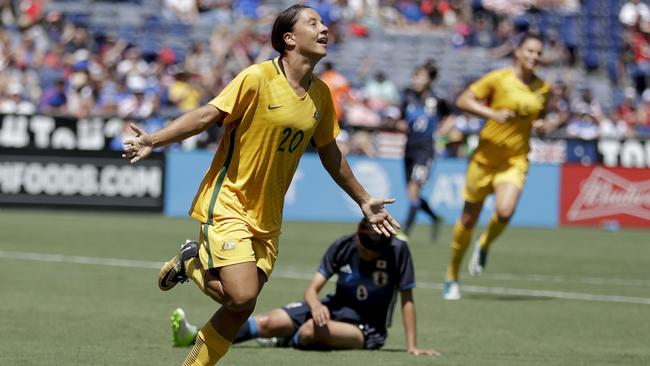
[(247, 331), (295, 340), (252, 326)]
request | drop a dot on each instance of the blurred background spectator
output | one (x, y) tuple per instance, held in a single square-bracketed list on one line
[(150, 60)]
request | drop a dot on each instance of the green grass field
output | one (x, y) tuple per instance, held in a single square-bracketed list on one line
[(550, 297)]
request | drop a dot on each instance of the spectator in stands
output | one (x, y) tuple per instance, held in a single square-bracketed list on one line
[(634, 11), (215, 12), (559, 106), (482, 33), (626, 112), (614, 127), (381, 92), (339, 87), (555, 53), (80, 95), (132, 63), (14, 103), (183, 92), (424, 113), (583, 125), (76, 37), (642, 127), (505, 39), (54, 100), (184, 11), (361, 120), (585, 103), (198, 60), (640, 51)]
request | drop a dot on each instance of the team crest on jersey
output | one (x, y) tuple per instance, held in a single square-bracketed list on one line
[(228, 245), (380, 278), (381, 264)]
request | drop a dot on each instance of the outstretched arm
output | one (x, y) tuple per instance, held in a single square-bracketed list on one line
[(373, 208), (408, 316), (189, 124)]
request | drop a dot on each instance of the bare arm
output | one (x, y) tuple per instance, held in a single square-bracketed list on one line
[(408, 316), (373, 208), (467, 101), (319, 312), (446, 125), (189, 124)]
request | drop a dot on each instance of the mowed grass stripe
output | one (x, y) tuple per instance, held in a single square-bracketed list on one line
[(296, 274)]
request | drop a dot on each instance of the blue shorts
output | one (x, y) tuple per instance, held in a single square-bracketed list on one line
[(417, 166), (373, 337)]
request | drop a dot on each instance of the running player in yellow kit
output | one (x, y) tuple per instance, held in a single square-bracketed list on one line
[(516, 102), (270, 113)]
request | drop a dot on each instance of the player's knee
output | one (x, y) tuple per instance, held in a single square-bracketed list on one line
[(504, 213), (307, 333), (240, 300), (468, 221), (264, 324)]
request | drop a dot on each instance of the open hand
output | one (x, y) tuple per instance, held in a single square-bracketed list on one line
[(380, 219), (138, 147), (422, 352)]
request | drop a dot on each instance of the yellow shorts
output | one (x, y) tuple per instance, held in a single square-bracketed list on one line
[(231, 242), (482, 178)]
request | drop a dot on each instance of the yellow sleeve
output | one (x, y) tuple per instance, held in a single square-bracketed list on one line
[(484, 87), (328, 126), (237, 96)]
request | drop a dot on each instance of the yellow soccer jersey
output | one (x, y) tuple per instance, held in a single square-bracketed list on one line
[(500, 142), (267, 130)]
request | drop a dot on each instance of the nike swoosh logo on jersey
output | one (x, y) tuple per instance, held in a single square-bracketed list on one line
[(272, 107)]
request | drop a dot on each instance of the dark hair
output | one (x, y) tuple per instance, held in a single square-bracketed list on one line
[(284, 23), (431, 69), (528, 35), (369, 239)]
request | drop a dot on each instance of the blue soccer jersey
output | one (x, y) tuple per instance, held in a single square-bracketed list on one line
[(423, 114), (368, 287)]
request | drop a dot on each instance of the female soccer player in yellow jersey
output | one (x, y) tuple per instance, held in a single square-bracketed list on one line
[(270, 112), (516, 102)]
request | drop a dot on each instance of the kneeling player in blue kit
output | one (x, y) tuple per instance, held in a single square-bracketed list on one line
[(371, 269)]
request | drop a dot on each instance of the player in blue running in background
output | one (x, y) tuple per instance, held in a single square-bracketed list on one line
[(371, 270), (424, 116)]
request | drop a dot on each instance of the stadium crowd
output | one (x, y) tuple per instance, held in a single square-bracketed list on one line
[(57, 63)]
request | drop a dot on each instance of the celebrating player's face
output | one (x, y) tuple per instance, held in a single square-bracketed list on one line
[(529, 53), (309, 34)]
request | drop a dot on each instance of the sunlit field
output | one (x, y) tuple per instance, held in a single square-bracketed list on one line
[(80, 289)]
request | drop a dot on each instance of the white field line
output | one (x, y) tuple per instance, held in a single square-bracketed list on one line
[(565, 279), (297, 274)]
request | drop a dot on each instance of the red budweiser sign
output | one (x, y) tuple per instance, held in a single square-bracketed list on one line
[(596, 195)]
